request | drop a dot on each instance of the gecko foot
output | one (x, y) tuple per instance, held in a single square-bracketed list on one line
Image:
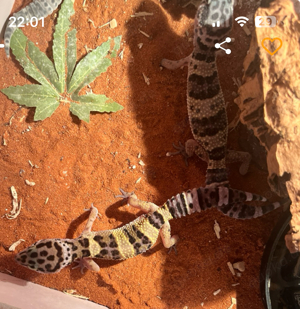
[(125, 195), (180, 150), (91, 209), (131, 199), (81, 264), (86, 263)]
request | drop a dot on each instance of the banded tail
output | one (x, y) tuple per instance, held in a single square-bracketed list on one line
[(227, 200), (244, 211)]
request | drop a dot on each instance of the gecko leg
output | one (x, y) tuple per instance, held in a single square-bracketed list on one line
[(192, 147), (239, 156), (168, 240), (180, 150), (133, 201), (175, 64), (92, 217), (88, 262)]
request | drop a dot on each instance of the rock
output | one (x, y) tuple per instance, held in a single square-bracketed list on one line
[(239, 266), (269, 100)]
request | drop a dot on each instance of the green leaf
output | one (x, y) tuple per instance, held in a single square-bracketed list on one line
[(44, 111), (71, 54), (19, 44), (117, 41), (53, 78), (59, 40), (43, 64), (34, 96), (91, 66), (92, 102)]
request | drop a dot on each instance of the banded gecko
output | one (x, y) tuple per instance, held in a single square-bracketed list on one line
[(205, 101), (138, 236), (37, 8)]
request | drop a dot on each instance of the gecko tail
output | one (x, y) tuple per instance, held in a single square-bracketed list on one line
[(243, 211), (7, 36)]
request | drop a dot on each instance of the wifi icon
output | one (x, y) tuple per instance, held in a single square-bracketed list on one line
[(241, 20)]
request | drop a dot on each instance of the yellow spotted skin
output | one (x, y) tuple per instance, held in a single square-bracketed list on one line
[(127, 241)]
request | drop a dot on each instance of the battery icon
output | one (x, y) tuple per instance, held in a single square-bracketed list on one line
[(265, 21)]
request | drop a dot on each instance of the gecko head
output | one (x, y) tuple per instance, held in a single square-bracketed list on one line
[(215, 12), (47, 255)]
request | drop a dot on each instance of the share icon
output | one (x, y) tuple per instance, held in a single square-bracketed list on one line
[(218, 45)]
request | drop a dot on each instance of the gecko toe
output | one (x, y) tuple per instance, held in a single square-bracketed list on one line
[(125, 195), (180, 150), (173, 248)]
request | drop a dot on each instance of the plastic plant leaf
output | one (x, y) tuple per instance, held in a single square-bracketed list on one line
[(19, 44), (43, 64), (59, 40), (34, 96), (83, 105), (117, 41), (62, 80), (92, 65), (71, 54)]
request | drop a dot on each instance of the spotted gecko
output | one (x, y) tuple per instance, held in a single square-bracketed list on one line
[(138, 236), (205, 101), (37, 8)]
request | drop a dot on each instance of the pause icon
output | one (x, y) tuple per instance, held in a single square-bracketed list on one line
[(218, 24)]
